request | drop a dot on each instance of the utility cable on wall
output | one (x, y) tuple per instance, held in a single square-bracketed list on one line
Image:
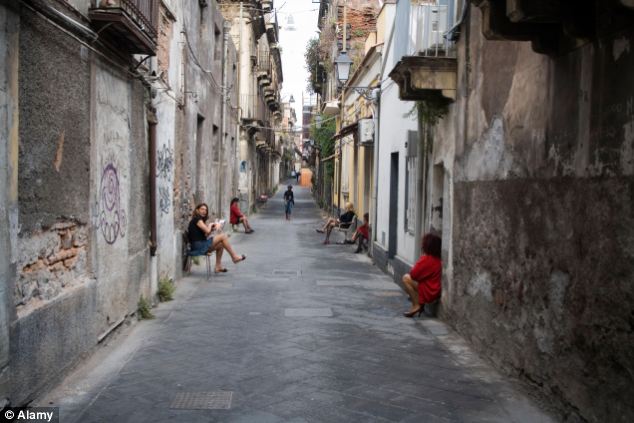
[(197, 62)]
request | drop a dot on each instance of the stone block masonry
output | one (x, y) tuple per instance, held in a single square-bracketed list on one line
[(49, 262)]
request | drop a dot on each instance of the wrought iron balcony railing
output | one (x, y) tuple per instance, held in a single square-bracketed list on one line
[(133, 24)]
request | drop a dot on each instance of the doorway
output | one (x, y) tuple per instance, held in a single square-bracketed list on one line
[(437, 194), (391, 249)]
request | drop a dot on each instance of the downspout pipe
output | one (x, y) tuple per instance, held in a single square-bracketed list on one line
[(376, 114), (226, 27), (152, 122)]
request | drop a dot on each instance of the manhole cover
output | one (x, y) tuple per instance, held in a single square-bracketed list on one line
[(217, 400)]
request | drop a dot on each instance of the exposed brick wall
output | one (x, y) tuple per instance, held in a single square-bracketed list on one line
[(165, 31), (49, 262)]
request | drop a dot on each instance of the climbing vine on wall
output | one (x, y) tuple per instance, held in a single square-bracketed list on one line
[(323, 138), (430, 111)]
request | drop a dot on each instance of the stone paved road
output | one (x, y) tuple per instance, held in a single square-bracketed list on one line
[(300, 332)]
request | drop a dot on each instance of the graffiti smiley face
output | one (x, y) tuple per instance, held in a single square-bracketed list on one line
[(112, 217)]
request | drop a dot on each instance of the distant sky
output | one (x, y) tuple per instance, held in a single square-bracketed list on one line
[(304, 13)]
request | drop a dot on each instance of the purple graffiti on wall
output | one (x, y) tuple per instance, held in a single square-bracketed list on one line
[(112, 219)]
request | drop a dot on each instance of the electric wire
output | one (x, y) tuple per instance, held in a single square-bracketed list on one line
[(85, 44)]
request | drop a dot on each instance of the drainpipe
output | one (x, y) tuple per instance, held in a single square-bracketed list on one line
[(421, 189), (152, 122), (223, 111), (376, 117)]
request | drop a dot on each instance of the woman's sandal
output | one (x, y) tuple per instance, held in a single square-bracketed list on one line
[(242, 258), (223, 270)]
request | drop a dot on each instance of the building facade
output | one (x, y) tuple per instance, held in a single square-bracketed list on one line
[(114, 123), (259, 79), (506, 129), (525, 128)]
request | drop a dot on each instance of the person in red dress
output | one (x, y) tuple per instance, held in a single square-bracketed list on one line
[(422, 283), (236, 216)]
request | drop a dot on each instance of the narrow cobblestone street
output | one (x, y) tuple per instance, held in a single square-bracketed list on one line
[(300, 332)]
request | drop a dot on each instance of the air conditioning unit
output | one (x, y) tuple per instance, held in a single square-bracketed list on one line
[(366, 131)]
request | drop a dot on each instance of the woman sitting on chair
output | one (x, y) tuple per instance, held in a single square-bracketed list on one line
[(422, 283), (203, 243), (237, 216), (344, 221)]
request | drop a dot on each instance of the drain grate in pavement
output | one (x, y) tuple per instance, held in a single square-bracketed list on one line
[(308, 312), (287, 272), (388, 294), (216, 400)]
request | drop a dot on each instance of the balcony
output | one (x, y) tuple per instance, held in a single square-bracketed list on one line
[(130, 24), (428, 67), (252, 108)]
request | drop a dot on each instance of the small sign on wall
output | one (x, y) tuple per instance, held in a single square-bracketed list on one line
[(366, 131)]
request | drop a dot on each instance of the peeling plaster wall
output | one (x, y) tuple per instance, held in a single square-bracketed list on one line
[(119, 201), (83, 255), (166, 104), (189, 168), (203, 75), (540, 273)]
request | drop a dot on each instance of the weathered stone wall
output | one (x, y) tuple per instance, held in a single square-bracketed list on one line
[(542, 244), (192, 165), (9, 48), (84, 205)]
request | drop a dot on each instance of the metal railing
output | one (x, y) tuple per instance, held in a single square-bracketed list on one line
[(264, 62), (428, 25), (421, 29), (252, 107), (143, 12)]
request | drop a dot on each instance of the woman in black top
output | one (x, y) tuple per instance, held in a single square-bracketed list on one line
[(202, 243), (344, 221)]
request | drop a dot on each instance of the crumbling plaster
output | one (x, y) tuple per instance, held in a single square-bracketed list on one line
[(542, 245)]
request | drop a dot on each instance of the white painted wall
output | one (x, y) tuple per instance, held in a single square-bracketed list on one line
[(395, 122)]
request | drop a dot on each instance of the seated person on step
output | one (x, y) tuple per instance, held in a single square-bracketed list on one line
[(236, 216), (344, 222), (204, 243), (361, 235), (422, 283)]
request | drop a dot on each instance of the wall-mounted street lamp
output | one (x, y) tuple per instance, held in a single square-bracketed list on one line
[(342, 67), (291, 100)]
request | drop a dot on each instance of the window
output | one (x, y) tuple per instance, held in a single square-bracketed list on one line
[(200, 125), (345, 156), (411, 164), (216, 144), (218, 43)]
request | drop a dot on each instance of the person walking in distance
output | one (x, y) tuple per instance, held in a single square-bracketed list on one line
[(289, 201)]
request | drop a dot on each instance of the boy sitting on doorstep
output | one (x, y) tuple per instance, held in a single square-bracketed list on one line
[(362, 234)]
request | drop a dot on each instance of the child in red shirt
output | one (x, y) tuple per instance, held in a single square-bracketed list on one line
[(423, 282), (236, 216), (362, 234)]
